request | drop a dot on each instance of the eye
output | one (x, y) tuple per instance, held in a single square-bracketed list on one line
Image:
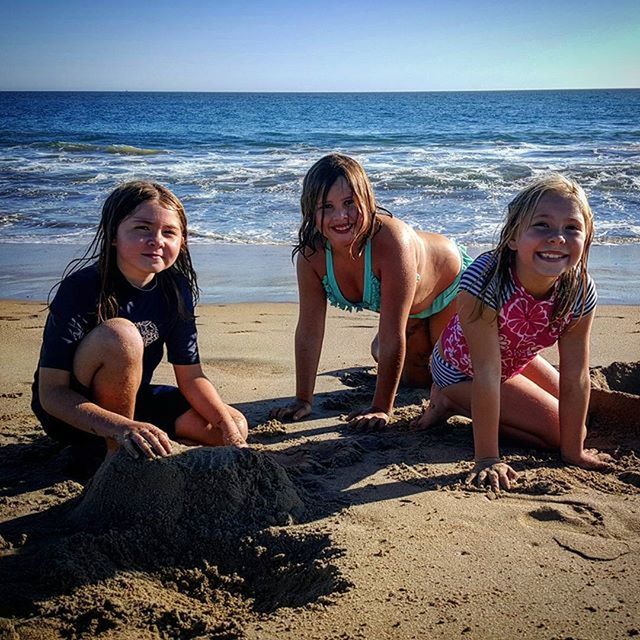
[(142, 227), (539, 224), (349, 202), (170, 232)]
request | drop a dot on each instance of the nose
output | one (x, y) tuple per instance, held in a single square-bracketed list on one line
[(155, 238), (343, 211), (556, 236)]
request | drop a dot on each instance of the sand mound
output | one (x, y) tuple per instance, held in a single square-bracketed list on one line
[(234, 487), (618, 376), (614, 408), (177, 547)]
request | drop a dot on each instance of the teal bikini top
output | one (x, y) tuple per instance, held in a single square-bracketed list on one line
[(371, 285)]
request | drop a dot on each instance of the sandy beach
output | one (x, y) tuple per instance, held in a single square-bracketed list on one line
[(317, 531)]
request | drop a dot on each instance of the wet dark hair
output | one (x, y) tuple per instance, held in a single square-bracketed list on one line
[(317, 183), (120, 204)]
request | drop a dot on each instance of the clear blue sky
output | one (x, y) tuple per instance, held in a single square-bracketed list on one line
[(327, 45)]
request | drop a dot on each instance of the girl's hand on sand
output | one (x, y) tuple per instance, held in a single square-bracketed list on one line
[(295, 411), (369, 418), (591, 459), (145, 438), (490, 470), (232, 437)]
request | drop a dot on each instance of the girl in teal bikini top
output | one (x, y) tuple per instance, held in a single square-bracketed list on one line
[(340, 217), (371, 286)]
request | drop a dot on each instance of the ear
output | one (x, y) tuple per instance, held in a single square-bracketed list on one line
[(512, 244)]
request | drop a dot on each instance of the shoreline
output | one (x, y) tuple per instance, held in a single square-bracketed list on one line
[(231, 273)]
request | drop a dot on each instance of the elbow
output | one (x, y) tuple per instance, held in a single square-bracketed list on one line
[(47, 396), (45, 402)]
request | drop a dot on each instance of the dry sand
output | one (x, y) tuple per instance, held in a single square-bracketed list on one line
[(317, 531)]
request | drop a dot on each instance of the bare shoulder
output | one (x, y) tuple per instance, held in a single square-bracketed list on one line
[(394, 234), (311, 262)]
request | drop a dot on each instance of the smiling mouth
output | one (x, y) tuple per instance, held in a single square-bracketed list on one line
[(551, 257), (343, 228)]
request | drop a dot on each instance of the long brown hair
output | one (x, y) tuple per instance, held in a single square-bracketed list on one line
[(120, 204), (317, 183), (519, 214)]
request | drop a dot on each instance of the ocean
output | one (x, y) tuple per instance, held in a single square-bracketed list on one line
[(445, 162)]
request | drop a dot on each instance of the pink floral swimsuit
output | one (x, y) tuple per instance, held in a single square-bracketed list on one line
[(525, 326)]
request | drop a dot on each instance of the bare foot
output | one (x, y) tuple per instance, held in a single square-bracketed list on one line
[(439, 409)]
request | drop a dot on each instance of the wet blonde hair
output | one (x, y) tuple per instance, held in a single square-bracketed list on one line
[(519, 215), (317, 183)]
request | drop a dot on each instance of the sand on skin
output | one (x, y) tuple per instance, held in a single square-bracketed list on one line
[(370, 535)]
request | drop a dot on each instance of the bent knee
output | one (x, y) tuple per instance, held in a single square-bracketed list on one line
[(115, 342), (120, 334), (375, 348)]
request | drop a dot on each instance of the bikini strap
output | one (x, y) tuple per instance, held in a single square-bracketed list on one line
[(332, 290), (368, 275)]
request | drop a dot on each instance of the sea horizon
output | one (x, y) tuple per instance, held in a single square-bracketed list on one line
[(329, 91)]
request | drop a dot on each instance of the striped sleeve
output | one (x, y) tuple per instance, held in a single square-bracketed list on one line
[(589, 297), (474, 279)]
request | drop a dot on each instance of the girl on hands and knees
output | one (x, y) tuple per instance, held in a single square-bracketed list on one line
[(531, 291), (355, 255)]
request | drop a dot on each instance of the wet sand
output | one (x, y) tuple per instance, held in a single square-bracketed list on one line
[(318, 531)]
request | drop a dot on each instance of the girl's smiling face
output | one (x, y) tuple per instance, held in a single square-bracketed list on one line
[(338, 218), (147, 242), (551, 244)]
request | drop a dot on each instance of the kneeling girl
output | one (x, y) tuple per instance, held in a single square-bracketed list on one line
[(133, 293)]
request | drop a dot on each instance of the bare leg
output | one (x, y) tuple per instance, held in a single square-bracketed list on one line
[(109, 362), (422, 336), (527, 412), (439, 321), (193, 428), (415, 372), (544, 375)]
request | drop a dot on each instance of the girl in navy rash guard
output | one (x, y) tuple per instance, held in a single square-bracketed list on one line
[(116, 308)]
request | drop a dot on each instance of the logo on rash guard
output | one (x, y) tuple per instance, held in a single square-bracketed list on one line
[(149, 332)]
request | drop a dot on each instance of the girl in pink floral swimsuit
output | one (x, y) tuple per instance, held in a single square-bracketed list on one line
[(530, 292)]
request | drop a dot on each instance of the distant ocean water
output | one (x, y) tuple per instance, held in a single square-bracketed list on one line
[(446, 162)]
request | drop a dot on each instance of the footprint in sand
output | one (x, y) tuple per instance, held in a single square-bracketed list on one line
[(580, 529), (582, 517)]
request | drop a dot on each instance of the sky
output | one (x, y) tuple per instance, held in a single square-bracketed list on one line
[(327, 45)]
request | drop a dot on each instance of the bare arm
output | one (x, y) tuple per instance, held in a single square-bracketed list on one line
[(62, 402), (205, 400), (309, 336), (396, 260), (482, 337), (398, 270), (575, 387)]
